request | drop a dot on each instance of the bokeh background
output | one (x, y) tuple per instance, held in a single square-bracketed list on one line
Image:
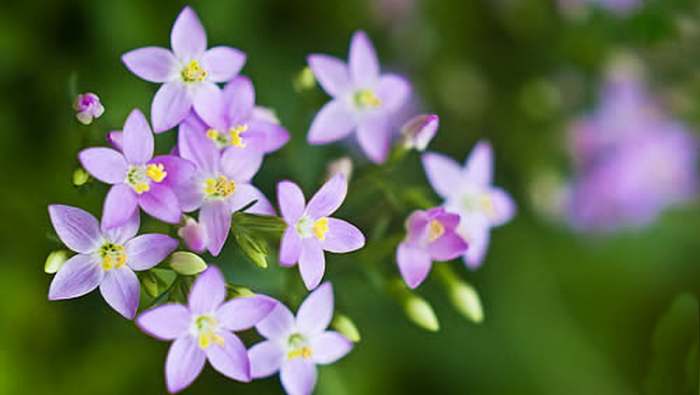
[(566, 312)]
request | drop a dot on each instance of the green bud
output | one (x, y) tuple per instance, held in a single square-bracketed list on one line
[(304, 80), (254, 249), (80, 177), (150, 284), (346, 327), (421, 313), (466, 300), (55, 260), (240, 292), (187, 263)]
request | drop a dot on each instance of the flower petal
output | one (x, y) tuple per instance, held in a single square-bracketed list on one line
[(78, 276), (290, 247), (105, 164), (332, 73), (444, 174), (476, 234), (312, 263), (278, 324), (333, 122), (125, 232), (76, 228), (241, 164), (184, 363), (374, 136), (162, 203), (170, 106), (138, 139), (328, 347), (393, 91), (222, 63), (504, 207), (209, 105), (447, 247), (298, 376), (239, 99), (328, 198), (145, 251), (188, 38), (315, 313), (291, 201), (342, 237), (165, 322), (195, 147), (479, 164), (231, 359), (215, 216), (275, 135), (247, 193), (179, 172), (243, 313), (265, 358), (414, 264), (364, 66), (208, 291), (115, 138), (153, 64), (119, 206), (120, 289)]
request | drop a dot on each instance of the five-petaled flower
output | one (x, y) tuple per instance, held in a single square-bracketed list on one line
[(468, 192), (87, 107), (107, 257), (185, 72), (363, 100), (310, 230), (203, 330), (138, 179), (294, 346), (430, 236)]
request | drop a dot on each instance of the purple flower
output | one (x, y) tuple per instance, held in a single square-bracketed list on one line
[(220, 186), (138, 179), (231, 122), (310, 230), (106, 257), (203, 330), (87, 107), (468, 192), (194, 235), (185, 72), (419, 131), (363, 100), (430, 236), (294, 346)]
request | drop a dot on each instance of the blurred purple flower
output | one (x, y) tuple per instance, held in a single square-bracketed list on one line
[(294, 346), (220, 186), (138, 179), (310, 230), (106, 258), (363, 100), (468, 192), (87, 107), (185, 72), (203, 330), (431, 235), (420, 130)]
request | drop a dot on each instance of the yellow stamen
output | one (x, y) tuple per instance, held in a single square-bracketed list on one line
[(213, 134), (156, 172), (141, 187), (435, 230), (193, 72), (302, 352), (365, 98), (487, 205), (219, 187), (320, 228), (113, 256), (236, 139), (205, 339)]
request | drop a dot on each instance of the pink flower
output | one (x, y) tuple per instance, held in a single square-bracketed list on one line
[(87, 107)]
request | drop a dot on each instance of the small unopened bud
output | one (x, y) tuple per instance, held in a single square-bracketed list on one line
[(55, 261), (419, 131), (241, 292), (467, 302), (344, 325), (305, 80), (254, 249), (421, 313), (150, 284), (115, 138), (87, 107), (340, 166), (187, 263), (194, 235), (80, 177)]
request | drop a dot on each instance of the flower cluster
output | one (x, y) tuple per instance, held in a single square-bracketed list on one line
[(203, 188)]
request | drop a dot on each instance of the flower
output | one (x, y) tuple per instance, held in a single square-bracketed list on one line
[(185, 72), (220, 185), (363, 100), (88, 107), (138, 179), (203, 330), (468, 192), (106, 257), (310, 230), (229, 120), (430, 236), (419, 131), (194, 235), (294, 346)]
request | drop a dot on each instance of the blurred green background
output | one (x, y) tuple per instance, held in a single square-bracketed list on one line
[(565, 313)]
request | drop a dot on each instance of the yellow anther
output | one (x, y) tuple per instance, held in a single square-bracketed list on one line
[(320, 228), (487, 205), (193, 72), (435, 230), (301, 352), (235, 134), (113, 256), (156, 172), (219, 187), (206, 338), (141, 187), (365, 98)]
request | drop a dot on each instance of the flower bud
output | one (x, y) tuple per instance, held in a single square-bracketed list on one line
[(254, 249), (344, 325), (421, 313), (150, 284), (340, 166), (241, 292), (115, 138), (194, 235), (80, 177), (187, 263), (419, 131), (87, 107), (305, 80), (55, 261), (466, 300)]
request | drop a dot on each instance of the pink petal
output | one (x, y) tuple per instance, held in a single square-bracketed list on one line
[(179, 171), (215, 216), (241, 164), (209, 105), (78, 276), (119, 206), (222, 63), (165, 322), (275, 136), (120, 289), (342, 237), (312, 263), (105, 164), (125, 232), (315, 313), (231, 359), (447, 247), (184, 363), (207, 292), (170, 106), (244, 313), (393, 91), (290, 247), (153, 64), (328, 347), (333, 122), (197, 148), (278, 325), (504, 207), (374, 136), (479, 164), (332, 74), (298, 376), (291, 201), (145, 251), (138, 139), (444, 174), (162, 203), (76, 228), (476, 234), (364, 66), (414, 264), (188, 38), (327, 200), (265, 358), (115, 138), (247, 193), (239, 99)]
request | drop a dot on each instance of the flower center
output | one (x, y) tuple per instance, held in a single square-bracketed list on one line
[(481, 202), (365, 98), (298, 347), (205, 327), (220, 187), (435, 230), (233, 138), (140, 177), (193, 72), (113, 256), (306, 227)]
